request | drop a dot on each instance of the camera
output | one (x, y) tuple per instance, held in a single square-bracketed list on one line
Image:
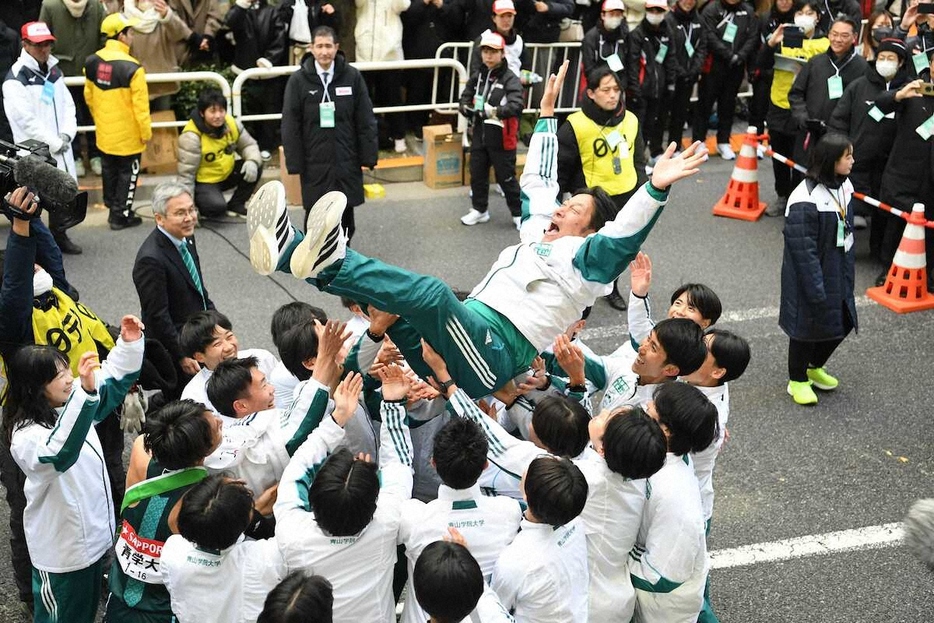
[(31, 164)]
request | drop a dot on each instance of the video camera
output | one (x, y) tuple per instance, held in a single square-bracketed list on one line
[(31, 164)]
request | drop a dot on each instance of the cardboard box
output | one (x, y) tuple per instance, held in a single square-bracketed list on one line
[(444, 156), (161, 155)]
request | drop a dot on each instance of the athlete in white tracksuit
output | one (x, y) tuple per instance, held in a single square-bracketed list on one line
[(196, 389)]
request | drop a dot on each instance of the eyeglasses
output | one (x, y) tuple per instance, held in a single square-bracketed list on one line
[(182, 214)]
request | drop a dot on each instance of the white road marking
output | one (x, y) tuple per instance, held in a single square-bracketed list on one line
[(870, 537)]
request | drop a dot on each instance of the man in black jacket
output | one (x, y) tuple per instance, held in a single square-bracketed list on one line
[(328, 126), (9, 52)]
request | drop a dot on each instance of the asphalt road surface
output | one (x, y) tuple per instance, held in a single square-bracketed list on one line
[(857, 460)]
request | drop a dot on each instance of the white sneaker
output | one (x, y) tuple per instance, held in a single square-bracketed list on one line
[(401, 146), (518, 221), (702, 150), (726, 152), (265, 155), (860, 222), (761, 151), (79, 168), (474, 217), (268, 227), (325, 241), (500, 191), (96, 167)]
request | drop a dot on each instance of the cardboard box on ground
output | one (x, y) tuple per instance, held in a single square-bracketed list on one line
[(444, 156), (161, 155)]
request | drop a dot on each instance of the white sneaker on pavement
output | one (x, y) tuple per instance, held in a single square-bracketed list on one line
[(268, 227), (726, 152), (325, 241), (400, 146), (518, 221), (475, 217)]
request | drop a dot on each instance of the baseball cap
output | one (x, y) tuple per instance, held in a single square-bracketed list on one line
[(656, 4), (115, 23), (614, 5), (493, 40), (36, 32), (503, 6)]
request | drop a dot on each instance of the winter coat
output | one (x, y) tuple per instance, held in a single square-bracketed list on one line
[(817, 275), (517, 54), (468, 18), (378, 33), (909, 173), (190, 151), (204, 17), (118, 100), (779, 115), (544, 27), (809, 97), (830, 9), (921, 43), (34, 116), (501, 88), (600, 44), (424, 28), (329, 158), (316, 17), (259, 33), (75, 38), (158, 51), (683, 27), (651, 66), (715, 16), (768, 24), (9, 52)]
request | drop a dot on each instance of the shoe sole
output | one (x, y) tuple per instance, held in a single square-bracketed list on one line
[(264, 211), (803, 404), (477, 222), (322, 235), (823, 387)]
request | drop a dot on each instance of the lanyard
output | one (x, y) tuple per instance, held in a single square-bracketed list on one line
[(325, 82), (600, 49), (841, 205), (845, 63)]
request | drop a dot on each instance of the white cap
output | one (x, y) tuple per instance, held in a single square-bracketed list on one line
[(493, 40)]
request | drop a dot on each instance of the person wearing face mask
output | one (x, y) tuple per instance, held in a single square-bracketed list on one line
[(782, 128), (920, 44), (878, 27), (690, 52), (872, 132), (759, 76), (651, 68), (607, 42)]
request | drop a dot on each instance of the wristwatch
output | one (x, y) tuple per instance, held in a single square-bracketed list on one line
[(445, 386)]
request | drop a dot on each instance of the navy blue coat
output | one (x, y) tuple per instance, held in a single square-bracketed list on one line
[(817, 300)]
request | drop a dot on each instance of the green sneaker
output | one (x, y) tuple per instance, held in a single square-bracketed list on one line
[(802, 393), (822, 380)]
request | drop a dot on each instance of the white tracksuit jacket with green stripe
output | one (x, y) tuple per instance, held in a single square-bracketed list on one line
[(69, 519), (543, 287)]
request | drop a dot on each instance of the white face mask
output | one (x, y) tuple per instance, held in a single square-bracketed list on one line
[(806, 22), (41, 282), (655, 18), (612, 23), (887, 69)]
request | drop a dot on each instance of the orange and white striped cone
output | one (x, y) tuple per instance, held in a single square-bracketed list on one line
[(742, 194), (905, 287)]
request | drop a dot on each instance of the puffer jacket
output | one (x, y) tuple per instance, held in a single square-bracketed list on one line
[(189, 146), (378, 34), (499, 87), (260, 33)]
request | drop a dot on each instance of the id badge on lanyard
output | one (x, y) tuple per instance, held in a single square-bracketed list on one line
[(326, 110), (48, 93), (729, 34)]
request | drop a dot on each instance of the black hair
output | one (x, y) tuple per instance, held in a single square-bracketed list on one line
[(844, 19), (343, 494), (324, 31), (447, 581), (347, 302), (823, 157), (555, 490), (299, 344), (198, 331), (215, 512), (562, 425), (634, 445), (586, 313), (702, 298), (209, 98), (690, 417), (604, 208), (179, 435), (299, 598), (459, 453), (683, 342), (731, 352), (228, 383), (291, 315), (28, 372), (598, 73)]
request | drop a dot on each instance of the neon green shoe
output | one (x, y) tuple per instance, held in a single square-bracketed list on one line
[(802, 393), (822, 380)]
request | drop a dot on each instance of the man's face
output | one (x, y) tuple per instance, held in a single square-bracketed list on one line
[(39, 51), (324, 50), (491, 56), (224, 346), (572, 218), (259, 396), (651, 362), (683, 308), (504, 22), (180, 216), (214, 116), (688, 5), (842, 38), (606, 95)]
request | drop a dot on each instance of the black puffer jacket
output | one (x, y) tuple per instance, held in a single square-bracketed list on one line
[(501, 88), (817, 275), (316, 17), (716, 16), (259, 34), (685, 26), (809, 97), (544, 27), (909, 174), (650, 70), (329, 158), (599, 44)]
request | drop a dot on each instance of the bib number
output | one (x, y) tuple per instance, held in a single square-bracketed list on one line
[(138, 557)]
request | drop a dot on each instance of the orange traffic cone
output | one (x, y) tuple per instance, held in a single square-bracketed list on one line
[(742, 194), (905, 287)]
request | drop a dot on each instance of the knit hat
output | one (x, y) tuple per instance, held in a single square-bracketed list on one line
[(893, 45)]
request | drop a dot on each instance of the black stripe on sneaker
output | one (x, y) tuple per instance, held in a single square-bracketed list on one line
[(330, 245), (282, 230)]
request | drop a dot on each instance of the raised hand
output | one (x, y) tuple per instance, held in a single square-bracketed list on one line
[(435, 362), (571, 358), (552, 89), (670, 168), (395, 383), (88, 363), (345, 398), (640, 274), (131, 328)]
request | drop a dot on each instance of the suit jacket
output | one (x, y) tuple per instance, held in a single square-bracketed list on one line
[(167, 293)]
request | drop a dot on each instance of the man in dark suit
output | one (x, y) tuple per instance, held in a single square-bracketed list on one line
[(167, 274)]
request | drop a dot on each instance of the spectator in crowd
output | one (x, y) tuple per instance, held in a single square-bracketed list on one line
[(261, 41), (492, 99), (38, 106), (830, 10), (207, 158), (607, 43), (167, 275), (760, 77), (652, 71), (118, 98), (160, 35), (9, 52), (543, 23), (299, 597), (783, 128), (921, 44), (635, 12), (731, 30), (204, 18), (517, 55), (77, 30), (328, 126), (690, 52), (301, 17), (879, 26), (15, 13), (378, 38)]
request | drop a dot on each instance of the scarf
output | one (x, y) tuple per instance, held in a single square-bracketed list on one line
[(75, 7), (148, 19)]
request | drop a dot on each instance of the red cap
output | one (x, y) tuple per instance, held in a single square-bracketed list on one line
[(36, 32)]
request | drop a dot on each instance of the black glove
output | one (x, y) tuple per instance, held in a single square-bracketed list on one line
[(194, 41), (815, 126)]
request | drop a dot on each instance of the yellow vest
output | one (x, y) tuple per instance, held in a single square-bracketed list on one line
[(597, 156), (783, 79), (217, 154), (71, 327)]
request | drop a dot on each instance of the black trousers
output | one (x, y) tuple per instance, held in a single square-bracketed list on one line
[(803, 355), (759, 103), (721, 86), (385, 89), (680, 103), (786, 178), (120, 175), (503, 162), (656, 119), (866, 177), (209, 198)]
